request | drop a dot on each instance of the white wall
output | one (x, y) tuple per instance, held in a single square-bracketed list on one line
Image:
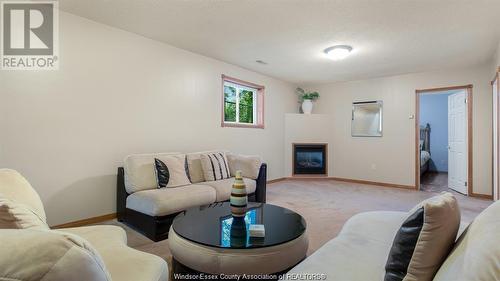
[(391, 158), (117, 93)]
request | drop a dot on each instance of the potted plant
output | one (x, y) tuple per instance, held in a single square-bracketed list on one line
[(306, 99)]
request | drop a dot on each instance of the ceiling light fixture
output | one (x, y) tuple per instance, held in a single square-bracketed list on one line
[(338, 52)]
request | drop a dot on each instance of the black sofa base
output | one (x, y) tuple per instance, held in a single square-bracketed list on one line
[(156, 227)]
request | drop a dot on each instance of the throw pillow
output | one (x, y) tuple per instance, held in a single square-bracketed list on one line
[(162, 173), (140, 171), (186, 168), (170, 171), (424, 240), (16, 188), (249, 165), (14, 215), (476, 255), (194, 165), (215, 166)]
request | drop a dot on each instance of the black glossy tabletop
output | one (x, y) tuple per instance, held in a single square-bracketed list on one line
[(214, 226)]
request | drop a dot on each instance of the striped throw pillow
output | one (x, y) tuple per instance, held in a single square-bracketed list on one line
[(215, 166)]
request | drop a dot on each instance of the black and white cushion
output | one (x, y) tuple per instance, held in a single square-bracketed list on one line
[(215, 166), (162, 173), (171, 171), (186, 168), (424, 240)]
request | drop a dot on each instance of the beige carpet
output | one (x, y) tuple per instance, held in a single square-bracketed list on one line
[(326, 205)]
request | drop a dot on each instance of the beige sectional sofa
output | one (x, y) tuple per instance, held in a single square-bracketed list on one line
[(151, 210), (30, 250), (360, 251)]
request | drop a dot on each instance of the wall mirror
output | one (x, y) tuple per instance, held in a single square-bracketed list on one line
[(366, 120)]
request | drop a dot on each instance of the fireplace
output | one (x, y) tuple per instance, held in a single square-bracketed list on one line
[(310, 159)]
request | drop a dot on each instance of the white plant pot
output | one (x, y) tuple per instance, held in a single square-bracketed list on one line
[(307, 106)]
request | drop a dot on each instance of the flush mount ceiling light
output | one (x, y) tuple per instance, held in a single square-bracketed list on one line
[(338, 52)]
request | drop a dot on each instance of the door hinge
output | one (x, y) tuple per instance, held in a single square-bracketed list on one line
[(465, 183), (465, 100)]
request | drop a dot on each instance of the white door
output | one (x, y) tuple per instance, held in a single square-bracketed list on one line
[(457, 142)]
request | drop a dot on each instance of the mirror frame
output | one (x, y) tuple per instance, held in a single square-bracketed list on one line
[(381, 119)]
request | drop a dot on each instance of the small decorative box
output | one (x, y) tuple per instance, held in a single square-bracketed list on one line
[(257, 230)]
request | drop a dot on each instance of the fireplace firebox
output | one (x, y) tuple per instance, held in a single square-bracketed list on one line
[(310, 159)]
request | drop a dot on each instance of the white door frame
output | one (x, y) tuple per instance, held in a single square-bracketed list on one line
[(496, 180), (468, 89)]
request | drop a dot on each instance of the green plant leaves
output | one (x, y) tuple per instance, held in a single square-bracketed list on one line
[(303, 95)]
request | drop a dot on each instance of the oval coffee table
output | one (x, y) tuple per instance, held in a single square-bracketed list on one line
[(208, 240)]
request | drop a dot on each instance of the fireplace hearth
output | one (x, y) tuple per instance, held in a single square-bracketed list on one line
[(310, 159)]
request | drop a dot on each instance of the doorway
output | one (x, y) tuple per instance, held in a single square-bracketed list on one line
[(443, 139)]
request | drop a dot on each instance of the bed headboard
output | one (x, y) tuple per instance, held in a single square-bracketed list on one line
[(425, 136)]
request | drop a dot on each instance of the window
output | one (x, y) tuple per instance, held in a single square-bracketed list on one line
[(243, 103)]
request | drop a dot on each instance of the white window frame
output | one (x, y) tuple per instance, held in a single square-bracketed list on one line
[(258, 102), (238, 89)]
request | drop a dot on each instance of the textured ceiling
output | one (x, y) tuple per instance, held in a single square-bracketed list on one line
[(389, 36)]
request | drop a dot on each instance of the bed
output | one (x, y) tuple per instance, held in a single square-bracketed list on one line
[(425, 148)]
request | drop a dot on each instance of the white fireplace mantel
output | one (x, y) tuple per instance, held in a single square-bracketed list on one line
[(307, 128)]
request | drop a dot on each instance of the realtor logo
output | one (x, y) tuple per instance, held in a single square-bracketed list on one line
[(29, 35)]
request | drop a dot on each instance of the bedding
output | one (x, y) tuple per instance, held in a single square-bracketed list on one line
[(424, 157)]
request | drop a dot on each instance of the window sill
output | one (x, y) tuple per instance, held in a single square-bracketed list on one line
[(241, 125)]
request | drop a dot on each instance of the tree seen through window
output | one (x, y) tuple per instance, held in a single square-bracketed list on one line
[(239, 103)]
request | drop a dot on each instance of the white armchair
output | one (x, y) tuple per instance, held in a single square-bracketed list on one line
[(30, 250)]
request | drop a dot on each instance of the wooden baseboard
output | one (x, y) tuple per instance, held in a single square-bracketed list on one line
[(384, 184), (276, 180), (319, 176), (481, 196), (85, 222)]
